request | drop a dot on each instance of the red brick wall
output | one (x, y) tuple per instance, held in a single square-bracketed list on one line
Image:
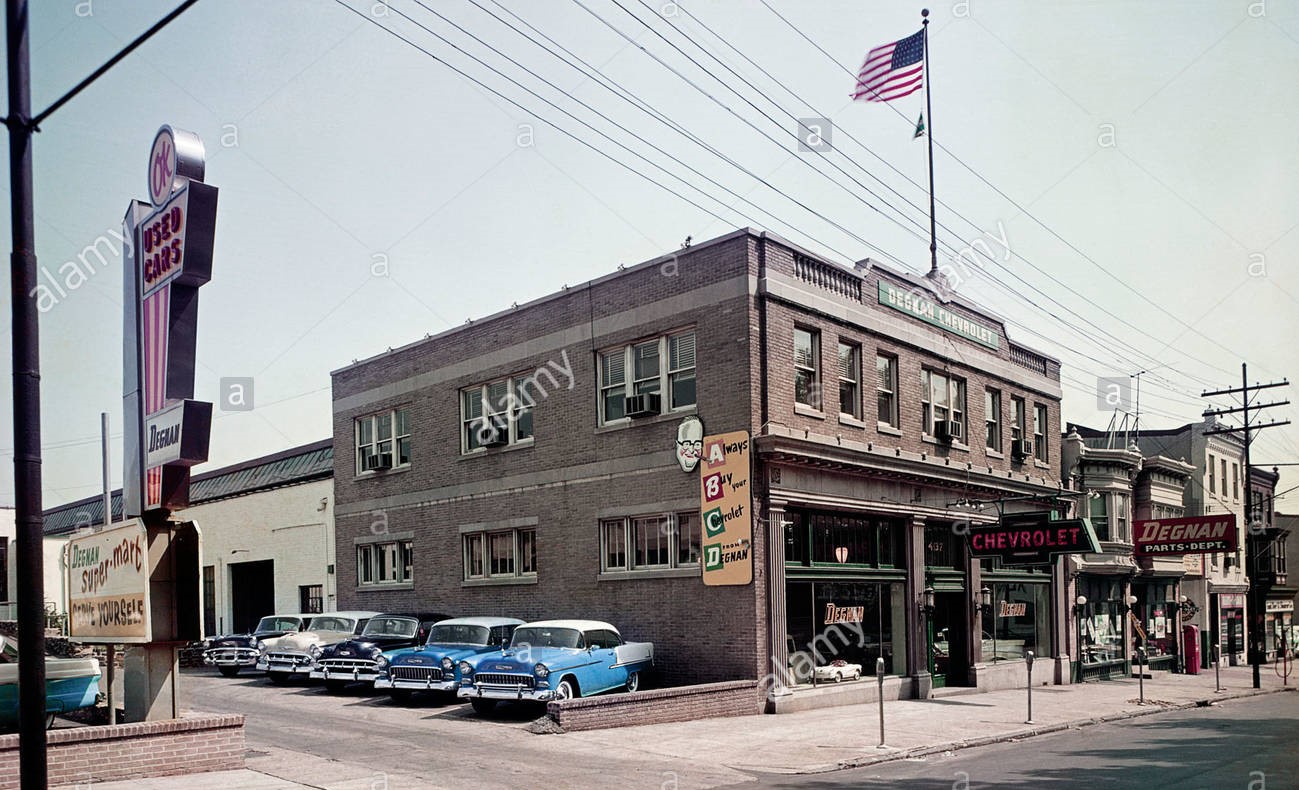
[(686, 703), (83, 755)]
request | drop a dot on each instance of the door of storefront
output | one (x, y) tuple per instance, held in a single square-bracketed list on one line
[(949, 648)]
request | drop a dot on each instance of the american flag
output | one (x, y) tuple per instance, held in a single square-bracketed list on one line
[(893, 70)]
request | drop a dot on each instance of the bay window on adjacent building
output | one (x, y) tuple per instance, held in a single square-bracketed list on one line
[(992, 419), (384, 563), (942, 398), (807, 355), (502, 554), (886, 389), (497, 414), (382, 441), (850, 379), (651, 542), (1099, 514), (662, 367)]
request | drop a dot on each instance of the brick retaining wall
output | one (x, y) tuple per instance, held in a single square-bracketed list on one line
[(708, 700), (82, 755)]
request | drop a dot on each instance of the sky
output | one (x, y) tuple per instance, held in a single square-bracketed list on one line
[(1119, 181)]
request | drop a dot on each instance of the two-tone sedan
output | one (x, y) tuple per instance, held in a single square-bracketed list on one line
[(435, 667), (362, 658), (555, 659), (294, 655), (232, 652)]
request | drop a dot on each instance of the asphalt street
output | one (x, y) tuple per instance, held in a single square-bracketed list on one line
[(1250, 744)]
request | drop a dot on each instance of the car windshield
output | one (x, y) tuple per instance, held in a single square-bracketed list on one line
[(547, 637), (278, 624), (459, 635), (332, 624), (391, 626)]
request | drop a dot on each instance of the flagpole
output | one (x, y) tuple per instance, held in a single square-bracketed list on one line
[(929, 108)]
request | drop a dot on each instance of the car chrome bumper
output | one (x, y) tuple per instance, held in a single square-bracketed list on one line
[(386, 682), (507, 693)]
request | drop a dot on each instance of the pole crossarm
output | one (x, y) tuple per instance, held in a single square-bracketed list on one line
[(1213, 431), (1238, 390), (1218, 412)]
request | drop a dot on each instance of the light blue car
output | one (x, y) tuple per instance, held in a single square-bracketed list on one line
[(434, 668), (555, 659)]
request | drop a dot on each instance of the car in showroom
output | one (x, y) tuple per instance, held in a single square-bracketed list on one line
[(555, 660), (231, 652), (362, 658), (70, 684), (294, 655), (434, 668)]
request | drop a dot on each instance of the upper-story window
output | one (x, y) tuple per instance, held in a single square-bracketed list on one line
[(650, 542), (1039, 432), (382, 441), (504, 554), (1224, 477), (1213, 477), (942, 398), (807, 355), (850, 379), (494, 415), (384, 563), (886, 389), (1121, 518), (1016, 419), (992, 419), (1235, 482), (662, 370), (1099, 515)]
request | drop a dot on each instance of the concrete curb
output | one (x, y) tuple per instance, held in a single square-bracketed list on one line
[(1045, 729)]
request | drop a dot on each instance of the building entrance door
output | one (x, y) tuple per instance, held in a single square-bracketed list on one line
[(252, 593), (949, 641)]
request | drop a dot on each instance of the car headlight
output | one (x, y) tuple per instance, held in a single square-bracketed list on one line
[(541, 670), (447, 664), (315, 651), (466, 669), (381, 661), (259, 646)]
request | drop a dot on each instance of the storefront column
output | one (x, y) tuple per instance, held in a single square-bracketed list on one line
[(973, 616), (779, 652), (1062, 622), (917, 638)]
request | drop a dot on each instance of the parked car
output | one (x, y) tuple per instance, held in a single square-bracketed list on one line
[(70, 683), (291, 655), (435, 667), (361, 659), (231, 652), (555, 659)]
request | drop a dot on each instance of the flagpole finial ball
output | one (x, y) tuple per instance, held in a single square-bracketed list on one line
[(924, 12)]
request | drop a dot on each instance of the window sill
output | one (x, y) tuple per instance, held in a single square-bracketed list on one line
[(928, 439), (848, 419), (381, 586), (808, 411), (884, 427), (629, 422), (482, 452), (499, 581), (991, 453), (374, 474), (1040, 464), (649, 573)]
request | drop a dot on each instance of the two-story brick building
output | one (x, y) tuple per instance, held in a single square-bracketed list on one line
[(524, 464)]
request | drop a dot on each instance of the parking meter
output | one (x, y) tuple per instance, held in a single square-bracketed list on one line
[(1028, 662), (879, 677), (1028, 659)]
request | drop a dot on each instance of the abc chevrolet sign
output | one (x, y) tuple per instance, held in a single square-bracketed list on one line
[(108, 585)]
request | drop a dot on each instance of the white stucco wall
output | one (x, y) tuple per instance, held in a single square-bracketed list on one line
[(293, 526), (55, 585)]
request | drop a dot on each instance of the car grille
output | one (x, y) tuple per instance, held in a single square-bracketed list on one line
[(347, 664), (231, 654), (288, 658), (501, 679), (421, 674)]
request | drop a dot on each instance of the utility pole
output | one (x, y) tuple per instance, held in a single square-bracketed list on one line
[(1255, 599)]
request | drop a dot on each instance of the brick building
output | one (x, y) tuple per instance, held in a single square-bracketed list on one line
[(524, 464)]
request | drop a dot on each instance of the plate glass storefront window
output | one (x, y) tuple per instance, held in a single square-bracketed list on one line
[(1100, 623), (1020, 621), (854, 622)]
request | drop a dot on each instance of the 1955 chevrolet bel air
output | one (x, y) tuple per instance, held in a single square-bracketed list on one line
[(555, 659), (434, 668)]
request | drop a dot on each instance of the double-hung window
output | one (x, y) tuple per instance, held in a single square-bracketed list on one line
[(384, 563), (650, 542), (807, 355), (494, 414), (1039, 432), (942, 398), (992, 419), (382, 440), (850, 380), (500, 554), (886, 389), (1016, 420), (663, 366)]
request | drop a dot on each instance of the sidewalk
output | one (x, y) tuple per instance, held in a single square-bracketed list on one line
[(805, 742)]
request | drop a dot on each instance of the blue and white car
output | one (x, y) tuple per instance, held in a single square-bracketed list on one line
[(555, 659), (435, 667)]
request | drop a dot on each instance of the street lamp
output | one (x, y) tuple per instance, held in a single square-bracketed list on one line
[(1080, 604), (1132, 602), (985, 600), (927, 602)]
